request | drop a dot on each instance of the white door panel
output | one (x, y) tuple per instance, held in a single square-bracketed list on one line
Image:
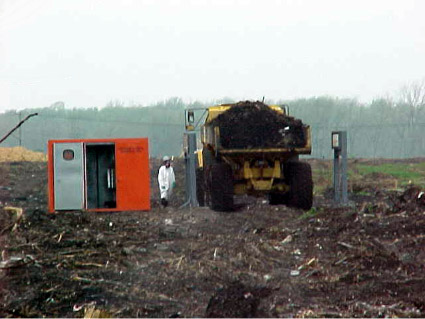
[(68, 176)]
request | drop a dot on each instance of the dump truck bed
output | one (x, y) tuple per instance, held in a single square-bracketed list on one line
[(270, 150), (255, 128)]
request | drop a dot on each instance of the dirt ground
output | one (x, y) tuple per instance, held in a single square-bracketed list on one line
[(363, 260)]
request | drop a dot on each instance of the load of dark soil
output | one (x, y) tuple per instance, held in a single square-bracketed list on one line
[(255, 125)]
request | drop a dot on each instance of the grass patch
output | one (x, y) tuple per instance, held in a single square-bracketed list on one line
[(310, 213), (361, 176), (363, 193), (404, 173)]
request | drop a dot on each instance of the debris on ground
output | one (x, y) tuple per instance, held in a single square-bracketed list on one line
[(362, 260), (235, 301)]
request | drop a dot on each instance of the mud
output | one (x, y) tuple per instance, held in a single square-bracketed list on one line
[(254, 125), (366, 259)]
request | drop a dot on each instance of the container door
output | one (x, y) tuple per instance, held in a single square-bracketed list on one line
[(68, 176), (133, 176)]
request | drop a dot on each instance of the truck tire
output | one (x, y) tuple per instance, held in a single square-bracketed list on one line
[(276, 198), (299, 178), (221, 186), (200, 187)]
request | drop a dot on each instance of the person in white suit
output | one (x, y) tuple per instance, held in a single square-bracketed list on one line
[(166, 180)]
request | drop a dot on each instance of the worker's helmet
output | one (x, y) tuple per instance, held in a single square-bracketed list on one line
[(165, 158)]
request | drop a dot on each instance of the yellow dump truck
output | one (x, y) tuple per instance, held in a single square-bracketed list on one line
[(253, 148)]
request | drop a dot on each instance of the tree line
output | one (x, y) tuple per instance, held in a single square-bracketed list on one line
[(384, 128)]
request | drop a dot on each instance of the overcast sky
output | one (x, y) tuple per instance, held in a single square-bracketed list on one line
[(89, 52)]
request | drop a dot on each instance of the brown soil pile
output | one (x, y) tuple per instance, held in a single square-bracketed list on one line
[(412, 200), (18, 153), (255, 125)]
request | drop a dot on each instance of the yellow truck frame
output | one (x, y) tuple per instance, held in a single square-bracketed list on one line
[(251, 171)]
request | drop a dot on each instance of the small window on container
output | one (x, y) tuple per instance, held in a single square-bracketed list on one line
[(68, 155)]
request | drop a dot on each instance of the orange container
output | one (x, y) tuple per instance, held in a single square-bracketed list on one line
[(99, 174)]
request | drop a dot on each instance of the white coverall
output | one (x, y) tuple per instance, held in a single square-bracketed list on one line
[(166, 181)]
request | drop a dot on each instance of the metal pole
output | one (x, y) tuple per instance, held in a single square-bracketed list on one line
[(190, 161), (336, 177), (192, 168), (344, 194), (16, 127), (20, 129), (339, 144)]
